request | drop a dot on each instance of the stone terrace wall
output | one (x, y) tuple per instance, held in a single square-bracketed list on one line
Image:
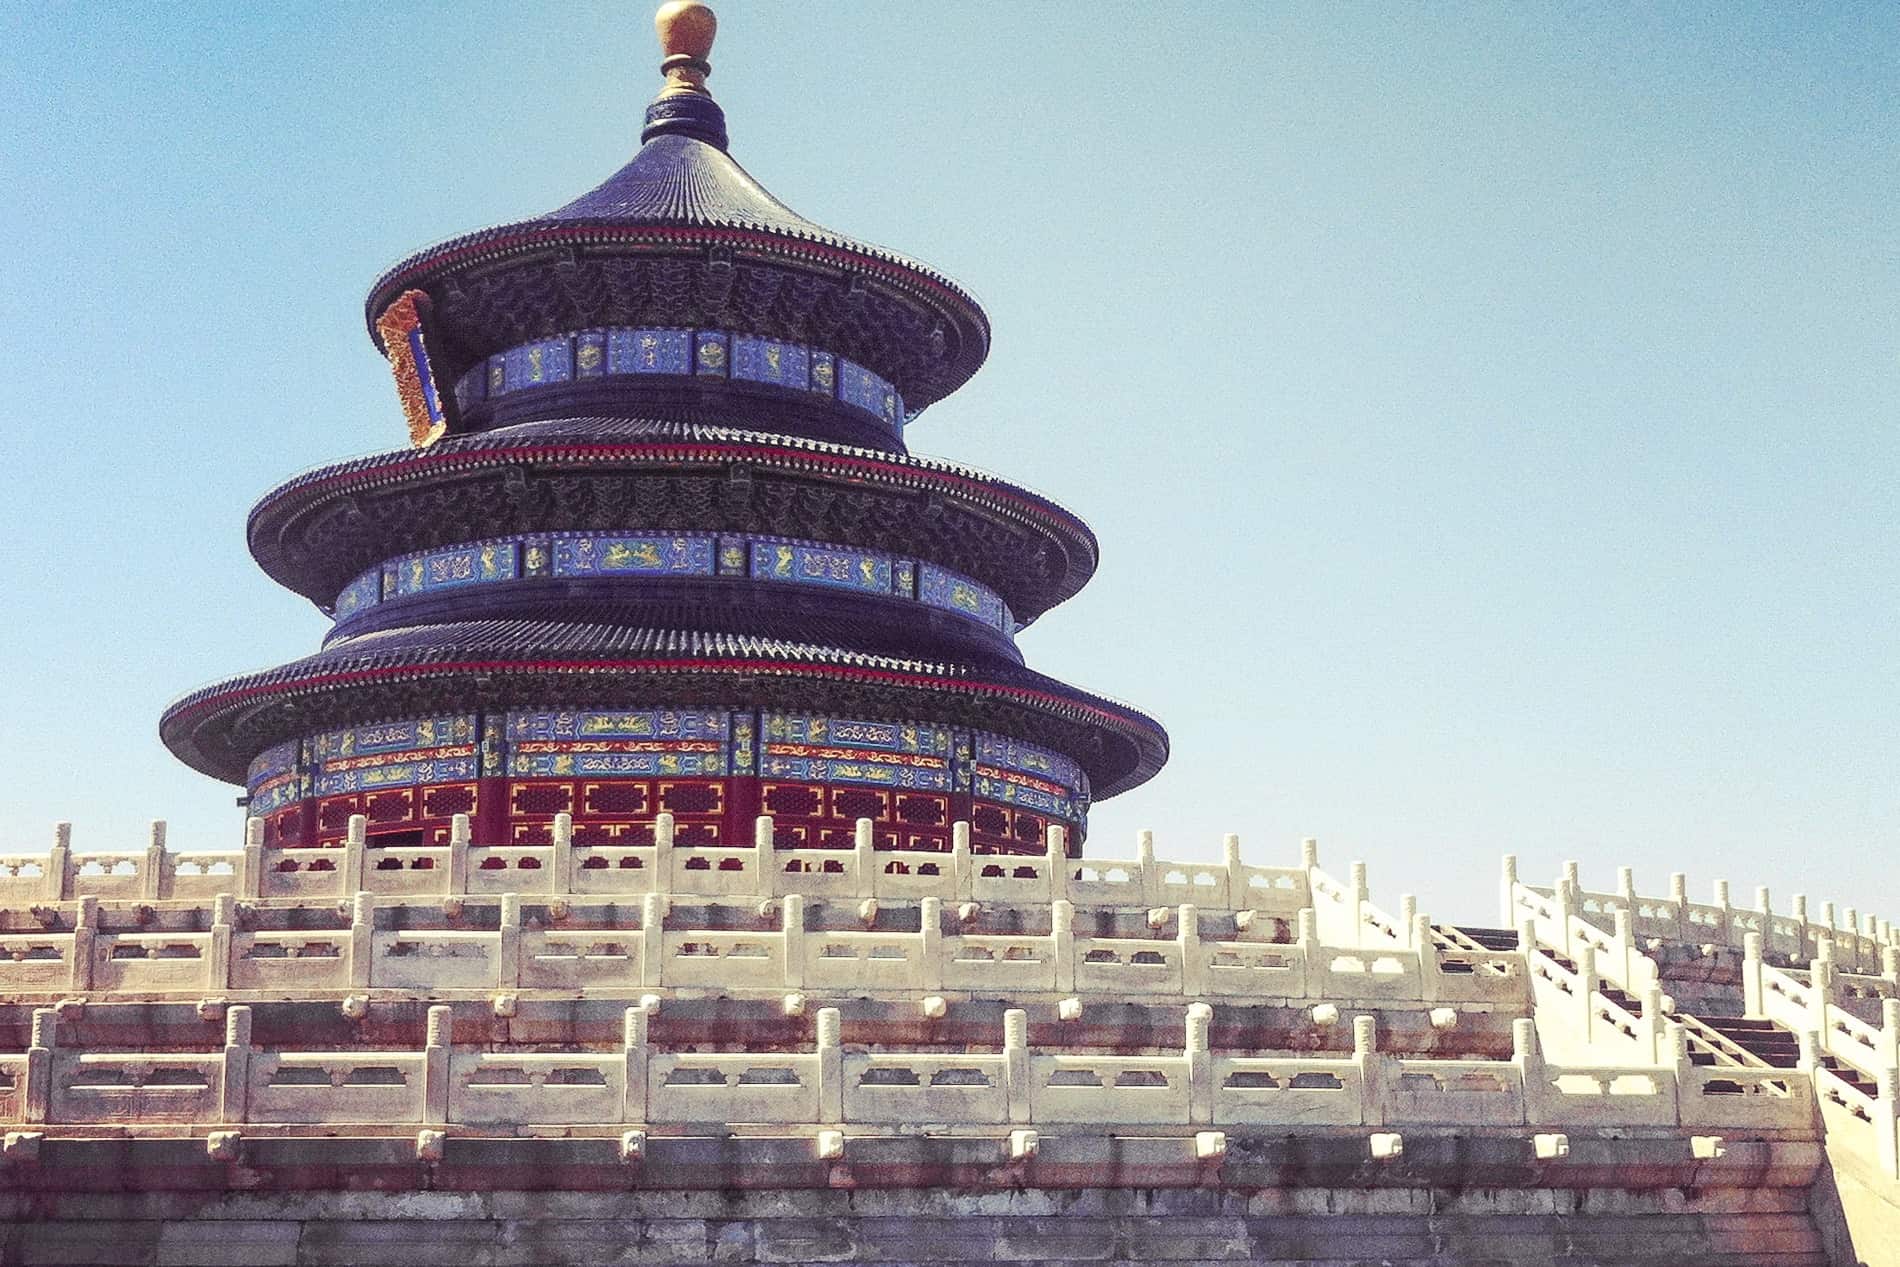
[(1317, 1200)]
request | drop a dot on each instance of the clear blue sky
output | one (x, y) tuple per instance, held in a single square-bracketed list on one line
[(1488, 413)]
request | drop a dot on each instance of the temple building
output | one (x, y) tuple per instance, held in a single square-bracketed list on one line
[(668, 858), (659, 545)]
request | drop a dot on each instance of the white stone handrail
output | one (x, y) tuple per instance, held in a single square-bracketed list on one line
[(463, 867), (1862, 942), (823, 1085), (922, 947)]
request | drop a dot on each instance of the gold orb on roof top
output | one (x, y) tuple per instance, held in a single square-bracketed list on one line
[(686, 29)]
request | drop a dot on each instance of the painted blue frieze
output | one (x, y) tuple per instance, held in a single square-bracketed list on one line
[(633, 556), (835, 566), (618, 744), (686, 352), (396, 754), (941, 587), (838, 750), (860, 387), (772, 361), (590, 354), (709, 353), (365, 591), (1016, 773), (459, 565), (658, 351), (273, 779), (535, 364)]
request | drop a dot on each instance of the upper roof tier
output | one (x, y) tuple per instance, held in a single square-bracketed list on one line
[(680, 239)]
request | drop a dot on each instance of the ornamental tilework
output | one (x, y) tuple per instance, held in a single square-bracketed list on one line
[(535, 364), (537, 556), (590, 354), (860, 387), (904, 578), (833, 566), (771, 361), (461, 565), (396, 754), (941, 587), (1020, 774), (877, 754), (666, 350), (640, 744), (649, 352), (824, 373), (638, 556), (273, 781), (365, 591)]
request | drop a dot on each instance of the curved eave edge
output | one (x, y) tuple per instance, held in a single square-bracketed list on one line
[(492, 245), (179, 721), (388, 469)]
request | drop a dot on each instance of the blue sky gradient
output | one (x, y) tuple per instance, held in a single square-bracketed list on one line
[(1488, 413)]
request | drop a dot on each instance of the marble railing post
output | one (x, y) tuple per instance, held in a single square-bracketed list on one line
[(1187, 940), (1563, 898), (764, 866), (1679, 898), (85, 937), (235, 1090), (664, 881), (1057, 855), (508, 951), (36, 1097), (218, 943), (1753, 1003), (59, 864), (152, 873), (1652, 1022), (1821, 987), (561, 857), (1529, 1059), (1360, 892), (1062, 939), (634, 1042), (792, 924), (1313, 965), (962, 872), (1200, 1063), (356, 844), (1237, 894), (1309, 853), (864, 855), (362, 938), (1507, 893), (1726, 924), (1624, 948), (1016, 1063), (1429, 984), (653, 939), (1365, 1054), (830, 1067), (435, 1064), (251, 879), (1889, 1033), (1886, 1121), (1150, 879), (1626, 887), (1408, 910), (930, 929), (1586, 960), (1799, 914)]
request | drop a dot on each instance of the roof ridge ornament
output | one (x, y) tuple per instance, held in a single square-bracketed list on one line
[(686, 29)]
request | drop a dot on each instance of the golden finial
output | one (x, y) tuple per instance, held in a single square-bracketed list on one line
[(686, 29)]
